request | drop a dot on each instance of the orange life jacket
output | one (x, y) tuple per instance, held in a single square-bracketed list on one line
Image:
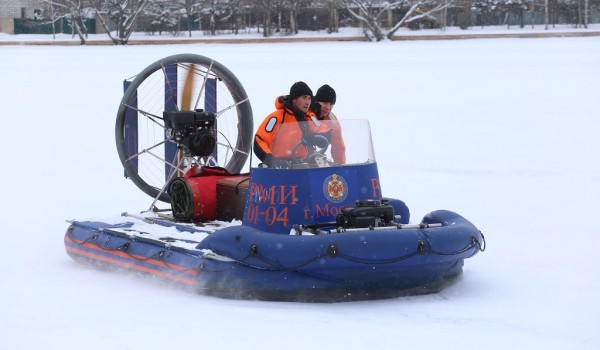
[(338, 147), (279, 134)]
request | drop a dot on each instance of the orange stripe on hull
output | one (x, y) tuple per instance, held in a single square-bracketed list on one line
[(138, 257), (133, 266)]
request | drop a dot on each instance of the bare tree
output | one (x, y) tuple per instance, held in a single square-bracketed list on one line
[(464, 15), (236, 10), (333, 21), (294, 6), (586, 13), (75, 12), (415, 13), (279, 7), (209, 9), (370, 14), (123, 13), (264, 7), (286, 12), (223, 12)]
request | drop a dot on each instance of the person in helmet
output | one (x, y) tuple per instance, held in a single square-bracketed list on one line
[(322, 106)]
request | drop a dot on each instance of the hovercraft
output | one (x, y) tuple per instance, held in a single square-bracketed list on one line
[(316, 231)]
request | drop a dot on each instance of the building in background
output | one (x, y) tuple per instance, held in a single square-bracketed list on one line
[(18, 9)]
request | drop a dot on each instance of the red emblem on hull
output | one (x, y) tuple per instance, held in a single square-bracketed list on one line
[(335, 188)]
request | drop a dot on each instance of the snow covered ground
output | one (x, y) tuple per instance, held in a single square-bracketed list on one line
[(502, 131)]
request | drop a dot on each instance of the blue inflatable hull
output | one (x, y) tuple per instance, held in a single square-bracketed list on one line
[(243, 262)]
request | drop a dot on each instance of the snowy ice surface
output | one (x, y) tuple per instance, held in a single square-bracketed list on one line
[(502, 131)]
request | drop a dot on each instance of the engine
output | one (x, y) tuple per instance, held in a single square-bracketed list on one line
[(366, 213), (194, 130)]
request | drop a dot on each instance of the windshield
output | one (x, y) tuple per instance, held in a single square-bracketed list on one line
[(323, 143)]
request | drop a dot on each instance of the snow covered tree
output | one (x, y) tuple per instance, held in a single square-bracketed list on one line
[(221, 14), (235, 12), (164, 15), (513, 8), (286, 12), (333, 21), (218, 11), (124, 13), (279, 6), (293, 6), (264, 7), (370, 14), (576, 11), (484, 9), (189, 10), (73, 11)]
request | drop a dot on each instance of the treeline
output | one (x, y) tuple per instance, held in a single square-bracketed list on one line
[(379, 19)]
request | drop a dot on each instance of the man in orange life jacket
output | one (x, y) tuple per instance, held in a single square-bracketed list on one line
[(321, 106), (280, 135)]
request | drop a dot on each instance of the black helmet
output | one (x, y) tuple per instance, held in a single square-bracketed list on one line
[(325, 94), (299, 89)]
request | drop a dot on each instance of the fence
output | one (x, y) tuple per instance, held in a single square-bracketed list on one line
[(31, 26)]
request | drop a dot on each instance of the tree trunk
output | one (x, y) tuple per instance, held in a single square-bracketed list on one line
[(53, 22), (236, 23), (334, 21), (585, 14), (445, 18), (278, 29), (293, 24), (521, 18), (267, 23), (77, 29), (464, 18), (212, 23), (546, 14), (579, 21)]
